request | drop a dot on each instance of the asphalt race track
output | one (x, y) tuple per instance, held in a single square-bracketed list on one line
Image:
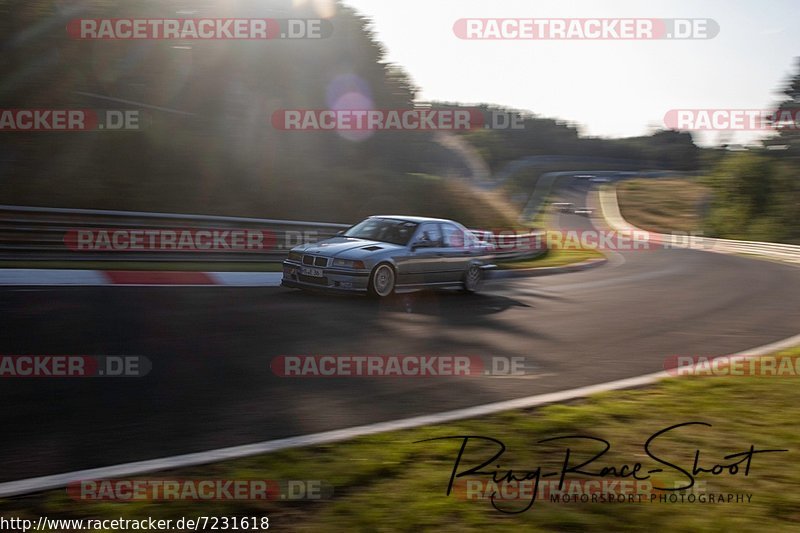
[(211, 385)]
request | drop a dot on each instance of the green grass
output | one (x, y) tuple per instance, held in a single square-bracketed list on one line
[(663, 205), (256, 266), (389, 482)]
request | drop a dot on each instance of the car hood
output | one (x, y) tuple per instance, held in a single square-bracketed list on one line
[(346, 247)]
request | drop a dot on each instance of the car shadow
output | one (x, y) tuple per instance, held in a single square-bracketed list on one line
[(426, 302)]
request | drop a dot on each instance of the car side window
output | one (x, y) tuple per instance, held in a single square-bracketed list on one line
[(471, 241), (453, 236), (430, 233)]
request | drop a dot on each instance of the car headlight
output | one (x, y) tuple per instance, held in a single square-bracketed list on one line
[(347, 263), (295, 256)]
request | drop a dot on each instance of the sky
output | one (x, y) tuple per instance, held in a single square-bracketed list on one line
[(609, 88)]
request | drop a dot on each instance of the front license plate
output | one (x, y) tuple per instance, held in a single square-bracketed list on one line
[(313, 272)]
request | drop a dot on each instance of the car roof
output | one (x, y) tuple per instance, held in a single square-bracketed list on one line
[(408, 218)]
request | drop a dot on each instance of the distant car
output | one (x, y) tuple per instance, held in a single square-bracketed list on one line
[(384, 254), (586, 211), (563, 207), (584, 176)]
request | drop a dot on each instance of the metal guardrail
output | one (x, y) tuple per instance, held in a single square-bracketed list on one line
[(43, 234), (784, 252), (788, 253), (40, 234)]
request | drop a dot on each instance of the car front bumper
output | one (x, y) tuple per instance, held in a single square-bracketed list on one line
[(332, 279)]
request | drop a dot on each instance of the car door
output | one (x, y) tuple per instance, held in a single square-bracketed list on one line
[(456, 252)]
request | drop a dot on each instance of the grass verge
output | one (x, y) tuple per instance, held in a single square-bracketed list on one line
[(552, 258)]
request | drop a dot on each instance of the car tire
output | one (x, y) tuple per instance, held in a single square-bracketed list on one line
[(473, 278), (382, 281)]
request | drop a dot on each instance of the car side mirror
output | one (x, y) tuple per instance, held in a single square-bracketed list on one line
[(340, 233)]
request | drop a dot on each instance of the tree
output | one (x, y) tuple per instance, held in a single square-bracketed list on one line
[(788, 118)]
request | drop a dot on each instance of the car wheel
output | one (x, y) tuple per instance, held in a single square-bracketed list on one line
[(381, 282), (473, 278)]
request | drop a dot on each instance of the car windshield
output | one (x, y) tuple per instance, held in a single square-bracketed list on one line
[(384, 230)]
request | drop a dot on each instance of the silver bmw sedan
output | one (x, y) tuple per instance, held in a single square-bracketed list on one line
[(388, 253)]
